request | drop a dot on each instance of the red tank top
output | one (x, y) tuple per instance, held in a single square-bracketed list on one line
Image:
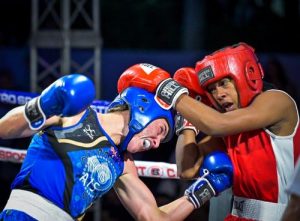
[(263, 163)]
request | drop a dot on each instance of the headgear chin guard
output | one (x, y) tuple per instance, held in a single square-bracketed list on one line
[(143, 110), (238, 62)]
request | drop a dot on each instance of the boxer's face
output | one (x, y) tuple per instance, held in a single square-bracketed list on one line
[(225, 94), (150, 137)]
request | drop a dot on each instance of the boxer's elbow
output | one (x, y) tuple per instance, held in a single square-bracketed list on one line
[(187, 174)]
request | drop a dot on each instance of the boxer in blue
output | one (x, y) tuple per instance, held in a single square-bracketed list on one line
[(78, 155)]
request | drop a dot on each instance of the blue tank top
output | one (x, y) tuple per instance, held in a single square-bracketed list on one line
[(71, 166)]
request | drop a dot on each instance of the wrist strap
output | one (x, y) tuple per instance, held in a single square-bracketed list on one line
[(201, 191), (200, 196), (169, 91), (33, 114), (182, 124)]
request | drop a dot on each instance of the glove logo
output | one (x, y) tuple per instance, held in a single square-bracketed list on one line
[(204, 194), (148, 68), (170, 88)]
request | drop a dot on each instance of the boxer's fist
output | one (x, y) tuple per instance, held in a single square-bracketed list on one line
[(152, 79), (188, 78), (67, 96), (145, 76), (220, 169), (216, 174)]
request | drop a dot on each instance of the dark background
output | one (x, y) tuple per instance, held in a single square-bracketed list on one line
[(270, 26), (167, 33)]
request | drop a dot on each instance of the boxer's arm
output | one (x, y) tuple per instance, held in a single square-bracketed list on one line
[(140, 202), (212, 122), (67, 96), (14, 124), (292, 212), (190, 154)]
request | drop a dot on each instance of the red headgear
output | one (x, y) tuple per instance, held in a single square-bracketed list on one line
[(237, 62)]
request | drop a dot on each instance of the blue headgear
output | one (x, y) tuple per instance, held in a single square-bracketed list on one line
[(143, 110)]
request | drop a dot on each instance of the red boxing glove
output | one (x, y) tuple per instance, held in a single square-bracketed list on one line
[(188, 78), (142, 75), (182, 124), (154, 80)]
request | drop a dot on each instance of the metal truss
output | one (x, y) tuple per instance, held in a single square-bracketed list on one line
[(62, 29)]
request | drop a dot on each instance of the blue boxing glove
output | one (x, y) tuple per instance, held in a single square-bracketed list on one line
[(67, 96), (216, 174)]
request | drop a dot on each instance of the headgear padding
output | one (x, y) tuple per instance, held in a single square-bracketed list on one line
[(238, 62), (143, 110)]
